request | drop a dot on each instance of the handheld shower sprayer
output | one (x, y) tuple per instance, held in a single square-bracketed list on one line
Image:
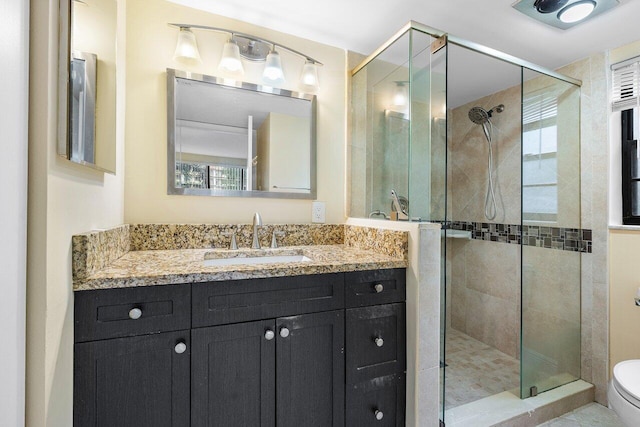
[(480, 116)]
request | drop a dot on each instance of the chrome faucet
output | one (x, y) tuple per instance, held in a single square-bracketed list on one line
[(257, 223)]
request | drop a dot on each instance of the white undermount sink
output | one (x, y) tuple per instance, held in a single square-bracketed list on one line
[(269, 259)]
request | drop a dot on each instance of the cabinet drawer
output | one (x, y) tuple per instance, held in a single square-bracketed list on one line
[(377, 402), (375, 287), (216, 303), (375, 341), (112, 313)]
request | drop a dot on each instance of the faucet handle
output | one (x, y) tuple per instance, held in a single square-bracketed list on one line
[(274, 241), (233, 244)]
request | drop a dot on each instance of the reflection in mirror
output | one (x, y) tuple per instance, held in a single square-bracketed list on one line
[(238, 140), (87, 119)]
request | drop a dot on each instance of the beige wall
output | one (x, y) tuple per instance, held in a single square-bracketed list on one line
[(64, 199), (624, 314), (150, 47), (624, 245)]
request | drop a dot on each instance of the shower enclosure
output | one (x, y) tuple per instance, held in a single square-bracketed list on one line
[(489, 146)]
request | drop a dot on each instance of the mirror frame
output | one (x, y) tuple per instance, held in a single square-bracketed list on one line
[(172, 75), (63, 146)]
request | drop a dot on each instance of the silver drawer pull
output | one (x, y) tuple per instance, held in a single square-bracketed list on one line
[(284, 332), (379, 415), (378, 287), (269, 334), (135, 313), (379, 341), (181, 347)]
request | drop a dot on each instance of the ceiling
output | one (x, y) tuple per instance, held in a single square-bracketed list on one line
[(363, 25)]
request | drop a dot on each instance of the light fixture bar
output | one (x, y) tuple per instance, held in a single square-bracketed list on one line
[(249, 37)]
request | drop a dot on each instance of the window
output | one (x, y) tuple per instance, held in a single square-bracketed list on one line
[(539, 157), (630, 172), (216, 177)]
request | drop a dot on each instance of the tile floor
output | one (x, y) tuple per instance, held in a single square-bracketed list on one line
[(591, 415), (476, 370)]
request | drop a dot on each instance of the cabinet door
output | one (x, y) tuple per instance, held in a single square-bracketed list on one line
[(310, 366), (139, 381), (233, 375)]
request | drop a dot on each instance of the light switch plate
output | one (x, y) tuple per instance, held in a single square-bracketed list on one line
[(318, 212)]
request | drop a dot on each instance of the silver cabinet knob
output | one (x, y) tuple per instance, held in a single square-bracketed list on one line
[(269, 334), (379, 415), (379, 341), (284, 332), (378, 287), (135, 313), (180, 348)]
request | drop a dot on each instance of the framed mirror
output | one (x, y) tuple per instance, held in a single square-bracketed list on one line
[(239, 139), (87, 83)]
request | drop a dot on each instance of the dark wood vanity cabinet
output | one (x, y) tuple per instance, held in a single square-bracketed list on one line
[(262, 352)]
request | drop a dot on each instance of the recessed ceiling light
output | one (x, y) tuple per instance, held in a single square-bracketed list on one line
[(576, 11), (564, 14)]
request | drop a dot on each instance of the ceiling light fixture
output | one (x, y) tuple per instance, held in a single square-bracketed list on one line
[(240, 47), (576, 11), (564, 14)]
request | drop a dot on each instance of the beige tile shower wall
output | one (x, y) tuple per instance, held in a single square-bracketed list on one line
[(484, 290), (485, 276), (467, 160), (594, 176), (150, 47), (551, 315)]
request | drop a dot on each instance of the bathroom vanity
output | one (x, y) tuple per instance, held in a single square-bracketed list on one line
[(325, 349)]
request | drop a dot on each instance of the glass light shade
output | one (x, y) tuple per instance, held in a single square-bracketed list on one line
[(273, 73), (400, 95), (576, 11), (187, 47), (309, 76), (231, 61)]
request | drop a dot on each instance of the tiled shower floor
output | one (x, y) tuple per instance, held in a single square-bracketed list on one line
[(475, 370)]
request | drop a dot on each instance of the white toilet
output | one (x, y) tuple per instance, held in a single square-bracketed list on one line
[(624, 392)]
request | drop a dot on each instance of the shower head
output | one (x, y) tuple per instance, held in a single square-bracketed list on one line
[(480, 116)]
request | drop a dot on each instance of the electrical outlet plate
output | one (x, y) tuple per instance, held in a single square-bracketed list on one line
[(318, 212)]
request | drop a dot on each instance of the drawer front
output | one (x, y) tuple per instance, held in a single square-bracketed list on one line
[(377, 402), (112, 313), (375, 287), (376, 341), (217, 303)]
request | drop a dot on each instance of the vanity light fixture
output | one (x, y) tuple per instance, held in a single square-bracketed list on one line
[(187, 47), (231, 61), (563, 14), (273, 73), (241, 47)]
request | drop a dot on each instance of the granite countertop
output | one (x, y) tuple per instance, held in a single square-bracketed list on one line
[(162, 267)]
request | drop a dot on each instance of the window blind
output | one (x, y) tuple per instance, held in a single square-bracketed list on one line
[(537, 108), (626, 82)]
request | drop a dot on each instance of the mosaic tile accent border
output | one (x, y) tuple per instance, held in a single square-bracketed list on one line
[(566, 239)]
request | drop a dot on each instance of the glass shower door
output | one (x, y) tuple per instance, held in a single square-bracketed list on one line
[(551, 234)]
